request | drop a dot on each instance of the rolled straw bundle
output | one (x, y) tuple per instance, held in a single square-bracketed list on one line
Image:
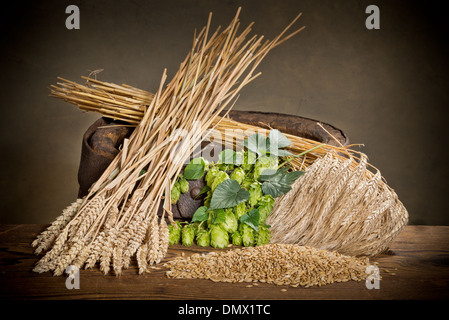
[(118, 218)]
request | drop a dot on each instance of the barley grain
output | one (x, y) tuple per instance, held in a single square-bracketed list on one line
[(278, 264)]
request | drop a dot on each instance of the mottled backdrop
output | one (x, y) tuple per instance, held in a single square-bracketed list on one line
[(386, 88)]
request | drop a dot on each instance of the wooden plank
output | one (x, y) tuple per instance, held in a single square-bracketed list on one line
[(415, 267)]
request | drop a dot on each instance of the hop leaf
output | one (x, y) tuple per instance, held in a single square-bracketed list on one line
[(201, 214), (257, 143), (195, 169), (251, 219), (279, 182), (228, 194), (278, 139)]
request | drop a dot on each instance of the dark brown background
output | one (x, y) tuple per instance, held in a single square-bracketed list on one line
[(387, 88)]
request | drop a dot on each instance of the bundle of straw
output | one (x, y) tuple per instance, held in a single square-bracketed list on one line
[(118, 218)]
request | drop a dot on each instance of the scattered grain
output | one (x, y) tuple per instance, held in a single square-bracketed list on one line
[(279, 264)]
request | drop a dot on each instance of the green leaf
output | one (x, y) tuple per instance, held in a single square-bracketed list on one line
[(280, 153), (272, 144), (277, 139), (265, 225), (301, 154), (228, 156), (251, 219), (257, 143), (205, 189), (199, 160), (274, 174), (200, 214), (194, 171), (219, 216), (267, 173), (279, 182), (228, 194)]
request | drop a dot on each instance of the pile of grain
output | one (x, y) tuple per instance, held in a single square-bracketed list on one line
[(280, 264)]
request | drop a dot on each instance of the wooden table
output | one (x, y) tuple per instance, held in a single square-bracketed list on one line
[(415, 267)]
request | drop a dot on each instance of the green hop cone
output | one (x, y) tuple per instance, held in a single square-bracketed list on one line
[(174, 233), (248, 235), (255, 193), (196, 227), (188, 235), (203, 238), (246, 183), (264, 163), (236, 238), (207, 199), (249, 159), (210, 218), (231, 223), (175, 193), (219, 178), (219, 238), (240, 210), (263, 235), (265, 206), (210, 175), (238, 175), (183, 185), (226, 167)]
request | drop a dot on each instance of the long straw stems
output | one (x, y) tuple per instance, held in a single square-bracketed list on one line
[(119, 215)]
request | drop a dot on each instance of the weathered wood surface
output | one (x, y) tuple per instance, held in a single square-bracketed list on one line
[(415, 267)]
